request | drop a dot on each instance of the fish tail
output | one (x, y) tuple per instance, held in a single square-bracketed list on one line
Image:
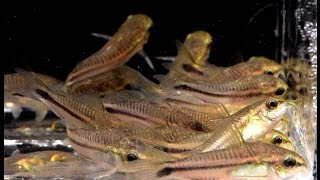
[(32, 82)]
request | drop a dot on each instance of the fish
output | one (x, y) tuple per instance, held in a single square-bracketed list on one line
[(253, 123), (15, 98), (202, 112), (151, 115), (234, 95), (256, 65), (116, 80), (82, 113), (126, 42), (198, 43), (248, 125), (112, 145), (244, 161)]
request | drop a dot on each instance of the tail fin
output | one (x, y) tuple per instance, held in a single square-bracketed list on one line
[(32, 83)]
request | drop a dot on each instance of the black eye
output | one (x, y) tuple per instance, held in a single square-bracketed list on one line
[(279, 91), (289, 162), (277, 140), (272, 104), (131, 157), (268, 72), (303, 91)]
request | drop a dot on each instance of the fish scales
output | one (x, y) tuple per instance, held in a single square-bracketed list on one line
[(129, 39)]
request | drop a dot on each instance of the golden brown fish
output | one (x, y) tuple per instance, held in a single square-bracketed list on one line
[(231, 163), (127, 41)]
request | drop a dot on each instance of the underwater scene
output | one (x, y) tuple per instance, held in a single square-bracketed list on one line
[(148, 90)]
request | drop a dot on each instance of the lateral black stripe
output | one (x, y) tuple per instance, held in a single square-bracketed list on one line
[(171, 150), (46, 96), (114, 111), (188, 88), (169, 170)]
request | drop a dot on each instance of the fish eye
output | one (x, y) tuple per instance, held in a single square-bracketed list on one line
[(272, 104), (132, 156), (279, 91), (290, 162), (303, 91), (277, 140), (269, 72)]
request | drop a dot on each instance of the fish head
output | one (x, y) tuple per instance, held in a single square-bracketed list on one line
[(270, 85), (266, 66), (199, 43), (274, 108), (137, 150), (289, 164), (284, 162), (140, 25), (279, 139), (142, 20), (263, 116)]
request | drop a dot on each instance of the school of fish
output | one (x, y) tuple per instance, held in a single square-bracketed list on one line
[(201, 121)]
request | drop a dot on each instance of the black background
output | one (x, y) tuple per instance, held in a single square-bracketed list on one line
[(52, 38)]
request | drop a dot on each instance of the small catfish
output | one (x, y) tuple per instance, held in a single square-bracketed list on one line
[(126, 42), (256, 65), (246, 161), (112, 145), (152, 115), (234, 95), (198, 43), (73, 110), (116, 80)]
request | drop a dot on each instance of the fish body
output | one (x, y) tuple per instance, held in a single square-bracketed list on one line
[(256, 65), (250, 160), (151, 115), (234, 95), (127, 41), (81, 112), (112, 145), (114, 81)]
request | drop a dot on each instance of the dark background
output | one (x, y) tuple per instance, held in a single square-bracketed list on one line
[(52, 38)]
